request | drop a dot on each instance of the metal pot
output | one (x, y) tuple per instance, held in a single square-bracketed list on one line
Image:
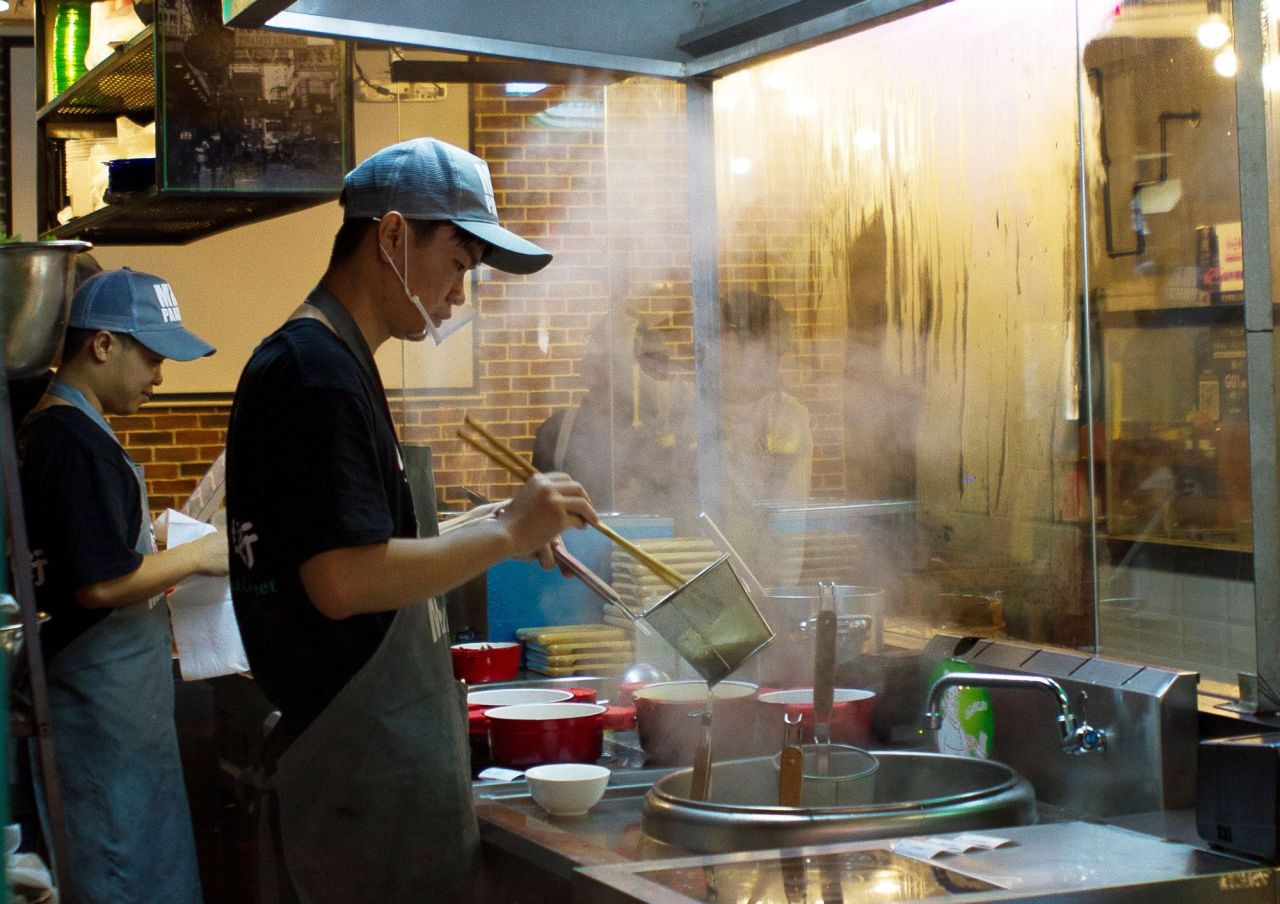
[(36, 279), (850, 714), (480, 702), (669, 730), (480, 663), (537, 733), (11, 635), (792, 612)]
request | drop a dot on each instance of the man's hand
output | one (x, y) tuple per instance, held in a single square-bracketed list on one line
[(546, 505)]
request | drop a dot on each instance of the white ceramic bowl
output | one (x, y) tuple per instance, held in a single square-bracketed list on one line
[(567, 789), (517, 696)]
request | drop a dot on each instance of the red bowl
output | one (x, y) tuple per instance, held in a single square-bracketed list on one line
[(479, 702), (537, 733), (477, 663), (850, 714)]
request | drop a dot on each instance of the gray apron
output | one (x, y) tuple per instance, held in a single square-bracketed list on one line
[(372, 801), (111, 700)]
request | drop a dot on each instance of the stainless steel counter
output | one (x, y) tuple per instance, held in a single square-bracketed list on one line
[(1070, 861), (605, 857)]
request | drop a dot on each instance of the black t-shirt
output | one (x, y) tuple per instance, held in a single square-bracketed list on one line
[(312, 465), (84, 512)]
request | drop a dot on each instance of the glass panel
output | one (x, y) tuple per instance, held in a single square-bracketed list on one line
[(247, 110), (1166, 279), (899, 244)]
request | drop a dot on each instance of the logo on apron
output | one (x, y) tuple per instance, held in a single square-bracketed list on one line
[(437, 618)]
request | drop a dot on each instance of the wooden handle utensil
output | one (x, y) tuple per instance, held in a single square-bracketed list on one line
[(791, 764), (507, 458), (824, 669)]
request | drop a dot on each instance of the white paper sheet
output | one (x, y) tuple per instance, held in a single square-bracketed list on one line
[(204, 622)]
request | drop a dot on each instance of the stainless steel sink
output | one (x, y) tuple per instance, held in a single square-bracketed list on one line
[(914, 794)]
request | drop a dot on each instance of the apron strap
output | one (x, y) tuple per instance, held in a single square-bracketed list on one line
[(324, 306)]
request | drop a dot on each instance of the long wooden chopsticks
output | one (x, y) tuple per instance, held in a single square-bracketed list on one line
[(505, 457)]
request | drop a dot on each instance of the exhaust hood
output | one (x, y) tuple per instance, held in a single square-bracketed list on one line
[(668, 38)]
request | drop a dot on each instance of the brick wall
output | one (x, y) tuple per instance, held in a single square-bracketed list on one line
[(176, 445), (608, 202), (609, 198)]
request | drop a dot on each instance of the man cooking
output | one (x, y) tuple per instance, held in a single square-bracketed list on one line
[(768, 440), (97, 573), (336, 597)]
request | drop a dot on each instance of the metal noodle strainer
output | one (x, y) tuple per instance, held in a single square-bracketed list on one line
[(711, 621)]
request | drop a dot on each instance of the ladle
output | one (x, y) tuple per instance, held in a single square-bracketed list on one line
[(824, 667), (791, 765)]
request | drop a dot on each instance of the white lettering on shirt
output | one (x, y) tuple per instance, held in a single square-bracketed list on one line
[(38, 562), (244, 540)]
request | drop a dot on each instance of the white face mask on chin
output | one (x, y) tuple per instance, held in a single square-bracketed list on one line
[(461, 316), (429, 328)]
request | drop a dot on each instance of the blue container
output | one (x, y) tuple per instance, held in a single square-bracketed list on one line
[(130, 175)]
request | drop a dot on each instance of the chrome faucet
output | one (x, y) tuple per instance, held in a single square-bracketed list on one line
[(1077, 737)]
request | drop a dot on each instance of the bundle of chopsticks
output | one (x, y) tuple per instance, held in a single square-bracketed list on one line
[(506, 458)]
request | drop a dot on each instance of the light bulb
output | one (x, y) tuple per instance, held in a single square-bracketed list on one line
[(1225, 63), (1271, 75), (740, 166), (4, 6), (1213, 32)]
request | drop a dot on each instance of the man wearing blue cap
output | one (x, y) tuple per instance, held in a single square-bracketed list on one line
[(336, 595), (99, 576)]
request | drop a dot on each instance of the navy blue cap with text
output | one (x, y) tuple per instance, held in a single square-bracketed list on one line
[(139, 305), (428, 179)]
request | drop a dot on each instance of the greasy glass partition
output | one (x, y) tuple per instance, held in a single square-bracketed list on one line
[(1002, 244), (904, 202)]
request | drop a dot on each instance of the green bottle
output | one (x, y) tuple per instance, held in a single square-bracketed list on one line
[(70, 43)]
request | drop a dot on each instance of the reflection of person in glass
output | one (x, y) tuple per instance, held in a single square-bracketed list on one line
[(768, 442), (633, 432)]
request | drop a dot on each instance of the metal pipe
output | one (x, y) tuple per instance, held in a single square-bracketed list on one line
[(1076, 737)]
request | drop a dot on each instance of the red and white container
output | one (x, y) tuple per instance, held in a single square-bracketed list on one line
[(537, 733)]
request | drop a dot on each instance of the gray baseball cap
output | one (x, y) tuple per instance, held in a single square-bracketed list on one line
[(140, 305), (428, 179)]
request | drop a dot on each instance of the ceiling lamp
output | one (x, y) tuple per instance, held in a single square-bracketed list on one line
[(573, 114), (1213, 31)]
